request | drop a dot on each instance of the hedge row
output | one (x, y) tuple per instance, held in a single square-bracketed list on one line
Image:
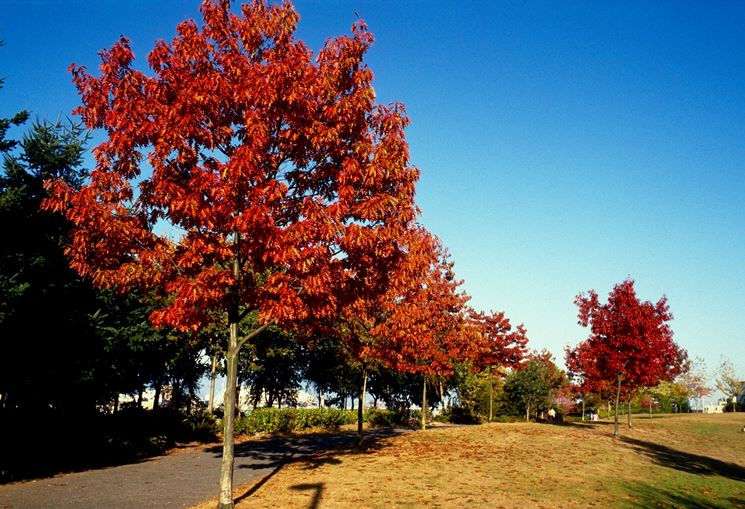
[(285, 420)]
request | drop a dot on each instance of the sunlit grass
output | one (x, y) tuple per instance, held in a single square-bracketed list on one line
[(667, 461)]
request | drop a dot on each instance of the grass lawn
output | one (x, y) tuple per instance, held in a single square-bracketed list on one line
[(688, 460)]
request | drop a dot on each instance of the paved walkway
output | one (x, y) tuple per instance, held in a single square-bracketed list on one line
[(173, 481)]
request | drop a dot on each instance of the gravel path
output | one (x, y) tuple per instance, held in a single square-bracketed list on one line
[(174, 481)]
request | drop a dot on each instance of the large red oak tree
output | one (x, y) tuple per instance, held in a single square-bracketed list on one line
[(630, 343), (277, 173)]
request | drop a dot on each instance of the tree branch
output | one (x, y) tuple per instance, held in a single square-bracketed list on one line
[(252, 335)]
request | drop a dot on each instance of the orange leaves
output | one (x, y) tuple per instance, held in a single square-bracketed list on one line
[(261, 158), (496, 343)]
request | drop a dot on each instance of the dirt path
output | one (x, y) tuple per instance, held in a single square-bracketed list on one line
[(173, 481)]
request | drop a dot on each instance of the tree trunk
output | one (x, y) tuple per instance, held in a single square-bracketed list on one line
[(583, 407), (441, 387), (650, 408), (225, 500), (630, 425), (527, 412), (618, 398), (237, 407), (491, 395), (213, 377), (361, 407), (608, 409), (140, 397), (156, 399), (424, 402)]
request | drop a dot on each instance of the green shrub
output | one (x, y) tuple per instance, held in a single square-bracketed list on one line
[(383, 418), (285, 420), (200, 426), (461, 415)]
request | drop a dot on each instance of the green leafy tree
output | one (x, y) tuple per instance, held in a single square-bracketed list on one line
[(271, 367), (531, 386), (729, 383), (49, 341)]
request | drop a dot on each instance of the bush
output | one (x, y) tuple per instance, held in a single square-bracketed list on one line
[(200, 426), (461, 415), (384, 418), (285, 420)]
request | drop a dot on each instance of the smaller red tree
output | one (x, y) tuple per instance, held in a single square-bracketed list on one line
[(497, 344), (630, 343), (425, 330)]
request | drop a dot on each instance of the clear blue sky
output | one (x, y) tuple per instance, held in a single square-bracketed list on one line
[(563, 145)]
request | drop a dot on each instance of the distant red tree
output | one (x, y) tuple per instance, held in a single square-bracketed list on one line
[(630, 343), (425, 329), (497, 344)]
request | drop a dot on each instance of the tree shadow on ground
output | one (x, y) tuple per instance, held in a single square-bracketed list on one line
[(578, 424), (310, 450), (313, 448), (317, 487), (685, 461), (43, 444), (644, 495)]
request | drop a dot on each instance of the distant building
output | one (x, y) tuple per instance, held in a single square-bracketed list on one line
[(717, 408)]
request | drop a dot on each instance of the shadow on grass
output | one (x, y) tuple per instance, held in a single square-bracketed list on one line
[(685, 461), (644, 495), (314, 448), (311, 450), (317, 487), (579, 424)]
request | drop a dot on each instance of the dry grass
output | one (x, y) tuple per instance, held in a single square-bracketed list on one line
[(668, 461)]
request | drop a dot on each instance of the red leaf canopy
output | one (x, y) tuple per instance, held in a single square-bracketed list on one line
[(276, 173), (425, 327), (628, 338), (498, 344)]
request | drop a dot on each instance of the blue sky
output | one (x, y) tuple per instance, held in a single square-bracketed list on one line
[(563, 145)]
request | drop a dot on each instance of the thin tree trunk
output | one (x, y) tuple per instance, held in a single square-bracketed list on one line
[(608, 409), (630, 425), (441, 387), (361, 407), (491, 395), (156, 400), (237, 407), (424, 402), (527, 412), (228, 442), (583, 407), (618, 398), (650, 408), (213, 377)]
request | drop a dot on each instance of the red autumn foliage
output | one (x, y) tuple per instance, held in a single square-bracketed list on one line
[(630, 343), (498, 344), (257, 153), (241, 175), (425, 327)]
